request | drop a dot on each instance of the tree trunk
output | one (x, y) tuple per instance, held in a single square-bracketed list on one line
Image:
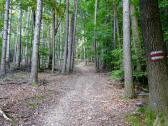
[(118, 30), (74, 34), (5, 36), (95, 36), (32, 35), (67, 38), (15, 51), (53, 41), (27, 37), (156, 56), (50, 49), (70, 45), (114, 26), (129, 87), (136, 36), (59, 48), (20, 40), (35, 54), (119, 42), (43, 43), (15, 57), (8, 41)]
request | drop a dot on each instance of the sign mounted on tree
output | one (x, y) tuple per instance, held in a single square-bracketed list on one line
[(157, 56)]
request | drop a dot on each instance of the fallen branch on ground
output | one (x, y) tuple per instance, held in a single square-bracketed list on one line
[(4, 115)]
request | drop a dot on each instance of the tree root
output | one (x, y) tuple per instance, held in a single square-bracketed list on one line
[(5, 116)]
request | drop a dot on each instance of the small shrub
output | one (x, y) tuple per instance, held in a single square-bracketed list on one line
[(143, 117), (118, 74)]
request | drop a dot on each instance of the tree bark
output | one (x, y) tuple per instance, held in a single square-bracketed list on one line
[(8, 41), (95, 37), (35, 54), (136, 36), (20, 39), (129, 87), (67, 38), (43, 43), (5, 36), (32, 35), (118, 30), (114, 26), (157, 67), (74, 34), (16, 45), (53, 40), (61, 45), (70, 50), (50, 49), (27, 37)]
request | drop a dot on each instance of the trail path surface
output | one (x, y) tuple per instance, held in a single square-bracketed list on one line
[(84, 98), (91, 101)]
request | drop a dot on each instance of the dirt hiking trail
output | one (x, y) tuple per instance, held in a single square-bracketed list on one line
[(90, 102), (84, 98)]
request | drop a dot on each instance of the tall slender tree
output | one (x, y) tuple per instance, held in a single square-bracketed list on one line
[(128, 79), (117, 28), (95, 37), (5, 37), (74, 33), (136, 36), (20, 38), (70, 44), (9, 36), (15, 50), (114, 25), (35, 54), (27, 37), (67, 38), (53, 40)]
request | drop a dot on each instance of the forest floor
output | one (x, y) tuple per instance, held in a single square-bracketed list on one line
[(84, 98)]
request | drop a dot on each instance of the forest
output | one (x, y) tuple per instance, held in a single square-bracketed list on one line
[(83, 63)]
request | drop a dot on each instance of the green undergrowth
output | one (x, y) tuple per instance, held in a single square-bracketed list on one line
[(117, 74), (143, 117), (35, 85), (33, 106)]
